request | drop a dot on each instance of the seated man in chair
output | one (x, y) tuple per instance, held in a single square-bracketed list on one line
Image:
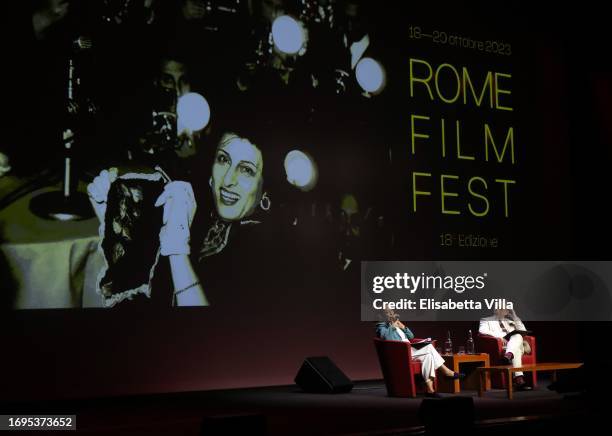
[(499, 325), (395, 330)]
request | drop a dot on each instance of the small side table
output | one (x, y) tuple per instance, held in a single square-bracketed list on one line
[(510, 370), (453, 362)]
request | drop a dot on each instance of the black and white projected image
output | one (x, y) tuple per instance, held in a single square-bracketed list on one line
[(277, 143)]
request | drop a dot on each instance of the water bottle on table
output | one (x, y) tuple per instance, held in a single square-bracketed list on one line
[(448, 344), (469, 346)]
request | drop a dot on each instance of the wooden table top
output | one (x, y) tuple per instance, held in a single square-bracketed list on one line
[(465, 357), (536, 366)]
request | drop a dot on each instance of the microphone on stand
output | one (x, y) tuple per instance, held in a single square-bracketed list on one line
[(68, 204)]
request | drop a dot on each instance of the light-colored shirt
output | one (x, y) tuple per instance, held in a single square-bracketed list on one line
[(402, 334)]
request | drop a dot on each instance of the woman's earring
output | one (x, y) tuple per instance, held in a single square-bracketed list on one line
[(210, 182), (265, 202)]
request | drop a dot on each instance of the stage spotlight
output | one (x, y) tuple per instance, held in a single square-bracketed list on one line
[(193, 112), (288, 34), (370, 75), (301, 170)]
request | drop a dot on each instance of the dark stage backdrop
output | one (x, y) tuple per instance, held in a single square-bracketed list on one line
[(463, 155)]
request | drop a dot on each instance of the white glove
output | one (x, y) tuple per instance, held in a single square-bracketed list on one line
[(98, 191), (179, 208), (5, 165)]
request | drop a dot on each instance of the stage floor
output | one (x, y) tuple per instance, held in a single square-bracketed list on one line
[(285, 410)]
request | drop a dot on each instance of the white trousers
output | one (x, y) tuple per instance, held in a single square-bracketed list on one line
[(430, 360), (515, 346)]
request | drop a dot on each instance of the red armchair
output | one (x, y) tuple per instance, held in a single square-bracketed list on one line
[(494, 348), (398, 368)]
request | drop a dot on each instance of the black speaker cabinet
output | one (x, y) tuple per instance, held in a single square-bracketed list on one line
[(244, 424), (321, 375), (440, 415)]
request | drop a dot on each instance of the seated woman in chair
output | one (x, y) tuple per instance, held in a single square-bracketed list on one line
[(395, 330)]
